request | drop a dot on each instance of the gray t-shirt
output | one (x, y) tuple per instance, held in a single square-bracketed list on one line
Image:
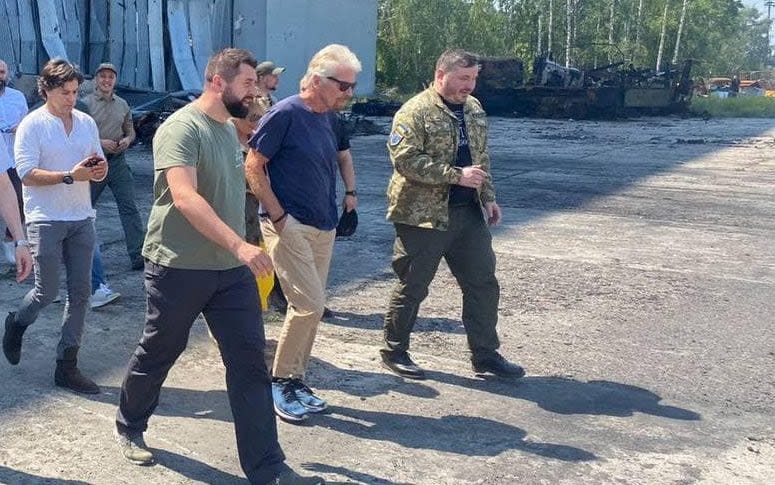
[(191, 138)]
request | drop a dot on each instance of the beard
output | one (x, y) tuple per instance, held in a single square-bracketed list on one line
[(3, 84), (234, 105)]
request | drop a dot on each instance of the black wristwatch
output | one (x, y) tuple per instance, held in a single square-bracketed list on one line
[(67, 179), (351, 192)]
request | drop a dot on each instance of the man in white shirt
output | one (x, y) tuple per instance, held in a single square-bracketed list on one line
[(57, 154), (13, 107)]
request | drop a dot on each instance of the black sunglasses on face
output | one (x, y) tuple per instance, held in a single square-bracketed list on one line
[(343, 85)]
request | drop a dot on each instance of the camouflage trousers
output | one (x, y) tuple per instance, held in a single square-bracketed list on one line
[(467, 248)]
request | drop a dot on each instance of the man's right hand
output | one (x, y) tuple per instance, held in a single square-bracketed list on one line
[(472, 176), (23, 263), (255, 259)]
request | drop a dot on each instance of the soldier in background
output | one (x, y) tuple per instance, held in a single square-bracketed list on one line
[(114, 120), (268, 80), (440, 187)]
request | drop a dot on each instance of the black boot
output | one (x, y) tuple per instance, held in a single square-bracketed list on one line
[(12, 339), (67, 374)]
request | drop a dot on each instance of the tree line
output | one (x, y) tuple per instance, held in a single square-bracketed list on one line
[(724, 37)]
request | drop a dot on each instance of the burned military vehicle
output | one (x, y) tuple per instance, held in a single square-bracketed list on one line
[(555, 91)]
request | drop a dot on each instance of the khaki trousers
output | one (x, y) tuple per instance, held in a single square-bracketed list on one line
[(301, 256)]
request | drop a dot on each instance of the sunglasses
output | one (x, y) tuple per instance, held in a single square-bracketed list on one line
[(343, 85)]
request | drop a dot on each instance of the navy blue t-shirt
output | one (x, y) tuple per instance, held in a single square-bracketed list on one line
[(301, 146)]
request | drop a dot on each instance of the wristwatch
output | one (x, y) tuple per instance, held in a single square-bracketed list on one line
[(21, 242), (351, 192), (67, 179)]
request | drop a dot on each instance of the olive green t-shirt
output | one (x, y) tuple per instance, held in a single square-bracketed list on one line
[(191, 138)]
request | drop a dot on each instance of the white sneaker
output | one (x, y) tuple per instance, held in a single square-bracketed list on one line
[(9, 251), (103, 295)]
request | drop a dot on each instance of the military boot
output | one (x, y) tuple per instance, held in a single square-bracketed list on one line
[(67, 374), (12, 339)]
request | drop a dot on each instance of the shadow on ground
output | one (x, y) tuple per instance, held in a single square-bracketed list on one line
[(463, 435), (374, 321), (568, 396), (352, 476), (8, 475)]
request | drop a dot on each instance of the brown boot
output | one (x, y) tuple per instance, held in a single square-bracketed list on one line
[(67, 374)]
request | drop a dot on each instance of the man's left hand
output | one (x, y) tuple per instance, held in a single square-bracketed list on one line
[(494, 213), (350, 203)]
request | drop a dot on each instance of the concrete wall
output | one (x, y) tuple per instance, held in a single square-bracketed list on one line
[(296, 29)]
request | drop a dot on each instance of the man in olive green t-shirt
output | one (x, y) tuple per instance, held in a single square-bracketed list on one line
[(198, 261)]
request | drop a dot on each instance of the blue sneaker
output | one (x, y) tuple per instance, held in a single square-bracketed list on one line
[(307, 398), (286, 404)]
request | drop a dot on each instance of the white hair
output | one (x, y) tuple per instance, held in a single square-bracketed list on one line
[(327, 59)]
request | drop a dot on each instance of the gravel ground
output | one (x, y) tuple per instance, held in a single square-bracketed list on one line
[(637, 267)]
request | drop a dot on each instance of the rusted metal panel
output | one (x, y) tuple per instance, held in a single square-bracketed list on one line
[(156, 44), (143, 75), (70, 29), (180, 40), (200, 24), (221, 24), (10, 40), (116, 34), (648, 97), (128, 69), (29, 36), (98, 34), (6, 41), (250, 29), (51, 34)]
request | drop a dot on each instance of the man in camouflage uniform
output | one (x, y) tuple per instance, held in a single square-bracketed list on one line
[(440, 187)]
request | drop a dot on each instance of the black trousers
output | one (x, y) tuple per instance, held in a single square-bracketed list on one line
[(229, 301), (467, 247)]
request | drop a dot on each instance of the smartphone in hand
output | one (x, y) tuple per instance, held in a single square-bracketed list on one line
[(92, 161)]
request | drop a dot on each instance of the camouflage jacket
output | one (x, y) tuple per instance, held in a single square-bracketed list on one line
[(423, 149)]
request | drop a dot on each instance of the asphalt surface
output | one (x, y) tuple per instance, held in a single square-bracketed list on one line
[(637, 266)]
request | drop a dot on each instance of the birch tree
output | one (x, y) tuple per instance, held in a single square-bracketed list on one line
[(661, 47), (680, 31)]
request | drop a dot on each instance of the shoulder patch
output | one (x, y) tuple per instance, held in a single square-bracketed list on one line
[(400, 131), (395, 138)]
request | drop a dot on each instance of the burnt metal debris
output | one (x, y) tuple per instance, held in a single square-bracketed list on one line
[(556, 91)]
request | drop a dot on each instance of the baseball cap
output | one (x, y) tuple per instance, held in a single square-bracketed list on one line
[(106, 65), (268, 67), (348, 222)]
